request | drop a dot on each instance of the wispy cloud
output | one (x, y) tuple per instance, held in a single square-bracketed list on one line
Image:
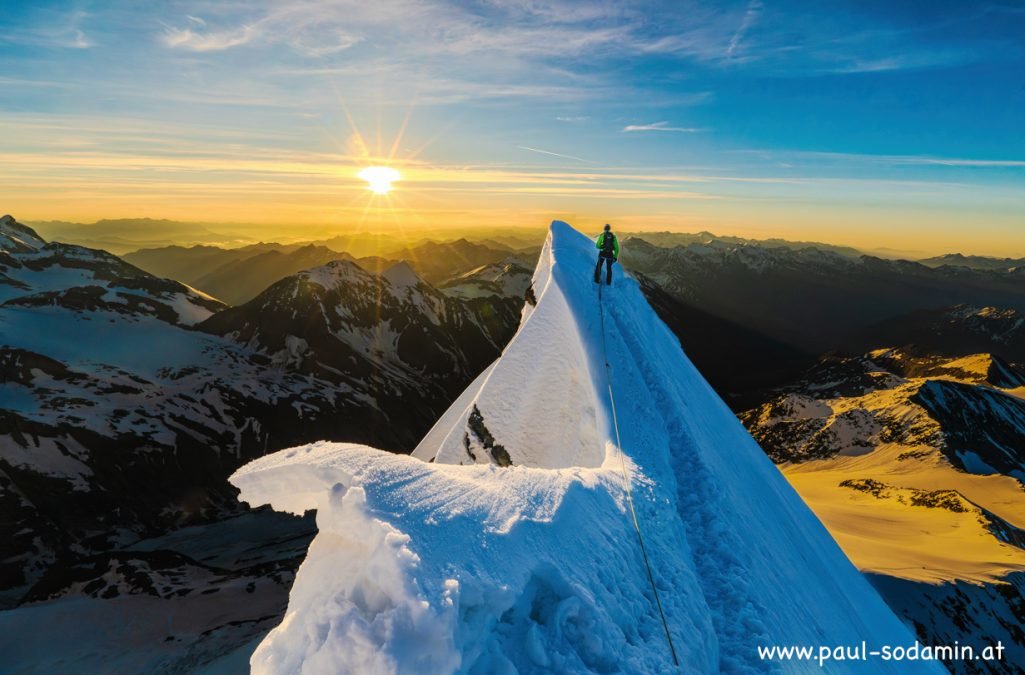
[(892, 160), (659, 126), (754, 8), (884, 63), (310, 30), (211, 41), (53, 29), (553, 154)]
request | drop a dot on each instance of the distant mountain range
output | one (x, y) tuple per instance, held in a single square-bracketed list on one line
[(440, 261), (976, 262), (674, 239), (124, 235), (123, 407), (237, 275), (191, 263), (238, 281), (810, 299)]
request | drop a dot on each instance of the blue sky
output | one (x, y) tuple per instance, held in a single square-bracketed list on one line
[(893, 124)]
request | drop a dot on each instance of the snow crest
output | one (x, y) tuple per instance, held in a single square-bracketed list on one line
[(505, 545)]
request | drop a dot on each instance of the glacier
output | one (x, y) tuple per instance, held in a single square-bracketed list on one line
[(505, 543)]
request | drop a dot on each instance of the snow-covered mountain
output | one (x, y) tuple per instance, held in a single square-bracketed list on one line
[(116, 419), (34, 273), (403, 343), (507, 543), (848, 406), (120, 422), (916, 464), (506, 278)]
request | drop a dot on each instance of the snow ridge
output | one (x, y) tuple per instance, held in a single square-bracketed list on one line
[(452, 561)]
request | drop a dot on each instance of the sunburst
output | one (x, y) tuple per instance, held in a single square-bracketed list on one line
[(379, 178)]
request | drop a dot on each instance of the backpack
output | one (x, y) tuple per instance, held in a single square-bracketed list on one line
[(608, 244)]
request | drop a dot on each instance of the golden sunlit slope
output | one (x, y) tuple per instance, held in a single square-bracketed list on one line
[(875, 448), (917, 519)]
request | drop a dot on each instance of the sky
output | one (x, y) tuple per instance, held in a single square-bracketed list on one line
[(885, 125)]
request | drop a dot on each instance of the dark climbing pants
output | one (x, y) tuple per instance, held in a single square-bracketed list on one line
[(608, 267)]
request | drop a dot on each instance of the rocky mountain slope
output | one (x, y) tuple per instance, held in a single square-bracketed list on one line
[(509, 277), (953, 331), (116, 420), (740, 362), (812, 299), (119, 422), (34, 273), (916, 464), (393, 336)]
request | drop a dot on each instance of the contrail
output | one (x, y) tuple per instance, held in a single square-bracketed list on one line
[(554, 154)]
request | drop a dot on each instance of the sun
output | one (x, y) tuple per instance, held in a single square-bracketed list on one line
[(379, 178)]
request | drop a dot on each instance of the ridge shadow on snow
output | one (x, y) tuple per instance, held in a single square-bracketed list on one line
[(445, 561)]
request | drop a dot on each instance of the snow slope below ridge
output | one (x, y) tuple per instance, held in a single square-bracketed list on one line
[(535, 567), (946, 538)]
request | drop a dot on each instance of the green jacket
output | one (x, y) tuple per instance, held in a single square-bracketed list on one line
[(600, 242)]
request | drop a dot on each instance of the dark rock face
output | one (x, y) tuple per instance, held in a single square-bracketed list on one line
[(963, 613), (953, 331), (989, 423), (483, 437), (409, 347), (739, 362)]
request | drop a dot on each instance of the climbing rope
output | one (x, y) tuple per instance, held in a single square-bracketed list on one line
[(626, 480)]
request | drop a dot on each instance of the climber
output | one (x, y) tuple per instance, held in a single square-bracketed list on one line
[(608, 250)]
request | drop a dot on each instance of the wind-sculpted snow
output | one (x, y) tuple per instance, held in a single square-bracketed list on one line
[(505, 543)]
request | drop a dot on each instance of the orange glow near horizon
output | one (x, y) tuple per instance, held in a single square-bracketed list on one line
[(348, 183)]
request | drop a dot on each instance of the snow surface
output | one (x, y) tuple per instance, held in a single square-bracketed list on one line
[(100, 337), (401, 275), (461, 566), (888, 533), (189, 313)]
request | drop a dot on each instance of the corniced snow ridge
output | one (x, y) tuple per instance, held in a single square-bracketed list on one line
[(504, 543)]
